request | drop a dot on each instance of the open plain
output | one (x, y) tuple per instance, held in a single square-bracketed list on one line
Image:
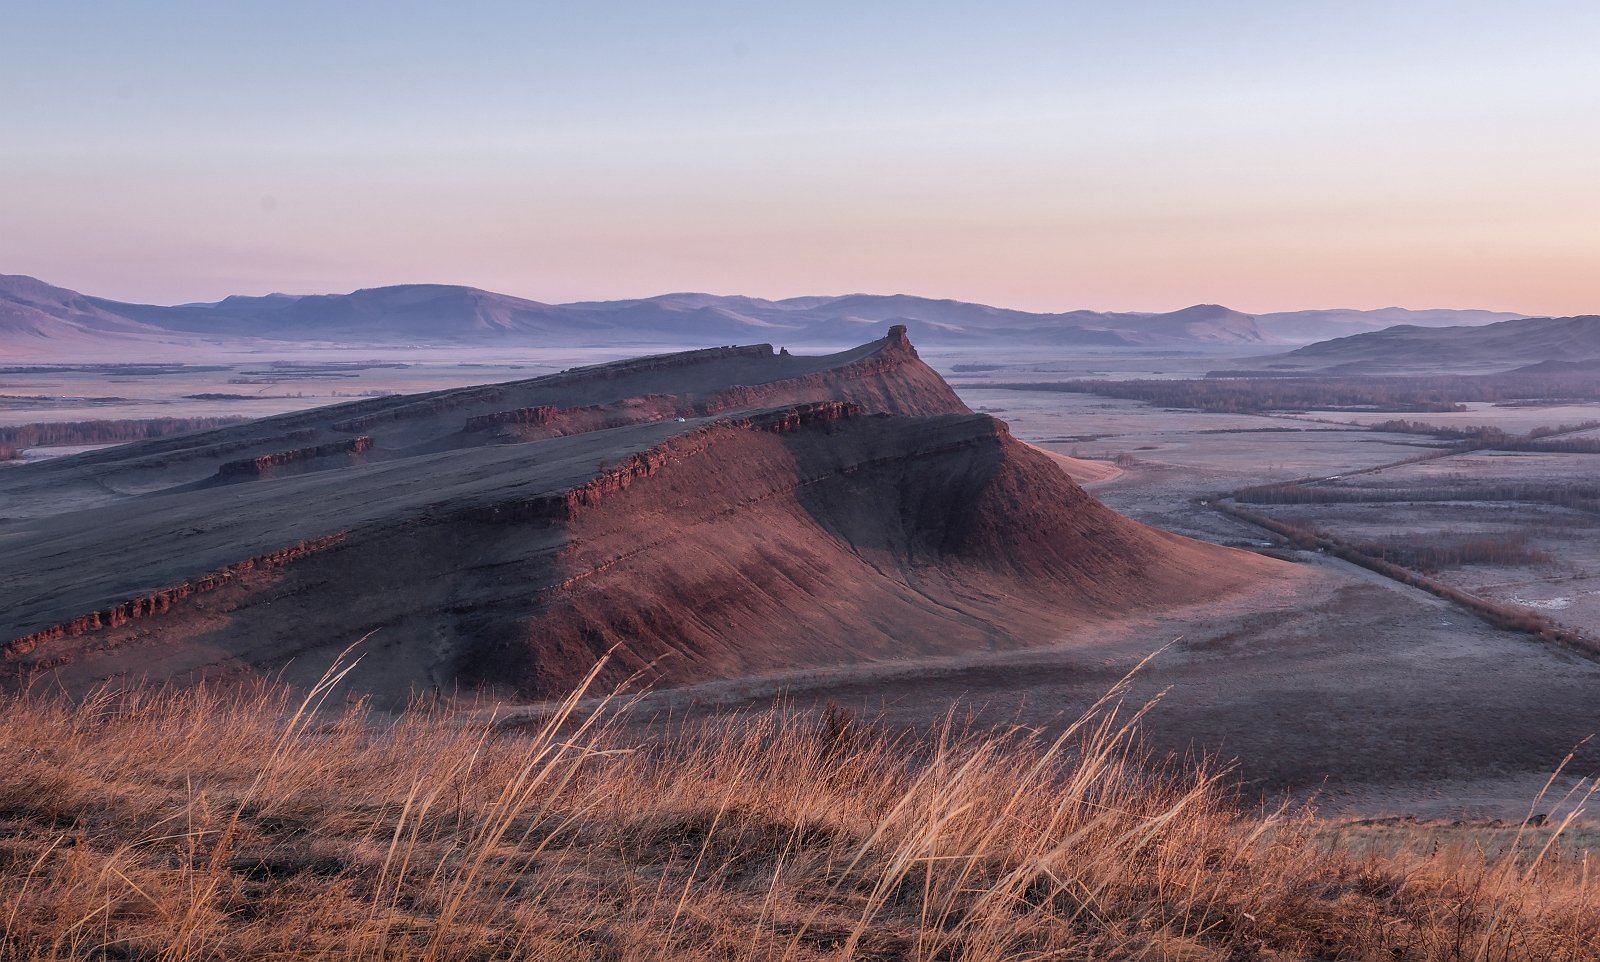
[(1322, 680)]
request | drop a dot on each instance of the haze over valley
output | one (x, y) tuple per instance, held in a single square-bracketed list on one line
[(887, 482), (491, 476)]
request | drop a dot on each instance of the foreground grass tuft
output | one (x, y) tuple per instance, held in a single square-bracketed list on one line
[(210, 824)]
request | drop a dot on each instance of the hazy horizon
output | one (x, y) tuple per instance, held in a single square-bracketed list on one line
[(1141, 157), (758, 296)]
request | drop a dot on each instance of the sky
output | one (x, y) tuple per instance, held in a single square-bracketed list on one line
[(1129, 155)]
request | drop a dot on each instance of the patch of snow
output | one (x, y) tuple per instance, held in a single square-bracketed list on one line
[(1546, 604)]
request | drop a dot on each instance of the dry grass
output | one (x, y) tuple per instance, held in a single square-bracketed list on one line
[(210, 824)]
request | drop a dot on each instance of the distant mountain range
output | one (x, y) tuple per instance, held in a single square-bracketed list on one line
[(1534, 344), (37, 316), (1308, 326)]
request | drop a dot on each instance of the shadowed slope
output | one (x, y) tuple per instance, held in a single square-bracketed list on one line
[(506, 548), (1490, 347)]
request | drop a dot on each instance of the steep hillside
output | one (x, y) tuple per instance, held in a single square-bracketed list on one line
[(1310, 326), (32, 310), (707, 515), (1491, 347)]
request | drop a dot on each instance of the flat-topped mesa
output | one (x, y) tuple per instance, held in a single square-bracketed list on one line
[(872, 360), (611, 370), (557, 507), (808, 511), (884, 375)]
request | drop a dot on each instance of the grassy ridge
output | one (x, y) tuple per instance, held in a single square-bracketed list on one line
[(243, 825)]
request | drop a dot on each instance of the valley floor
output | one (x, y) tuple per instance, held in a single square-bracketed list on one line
[(1369, 697), (1334, 684), (1342, 688)]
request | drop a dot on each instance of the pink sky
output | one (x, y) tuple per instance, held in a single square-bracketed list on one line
[(1045, 157)]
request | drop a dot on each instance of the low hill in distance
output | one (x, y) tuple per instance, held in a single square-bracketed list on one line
[(1306, 327), (702, 515), (37, 319), (33, 311), (1501, 346)]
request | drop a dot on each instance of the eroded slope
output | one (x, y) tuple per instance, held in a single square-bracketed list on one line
[(851, 509)]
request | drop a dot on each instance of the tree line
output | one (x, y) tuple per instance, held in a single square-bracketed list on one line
[(1550, 440), (1499, 613), (1436, 553), (1584, 497)]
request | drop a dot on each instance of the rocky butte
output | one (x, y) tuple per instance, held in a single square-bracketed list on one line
[(702, 515)]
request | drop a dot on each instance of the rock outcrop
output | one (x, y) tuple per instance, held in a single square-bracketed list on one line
[(263, 465), (157, 602), (698, 516)]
